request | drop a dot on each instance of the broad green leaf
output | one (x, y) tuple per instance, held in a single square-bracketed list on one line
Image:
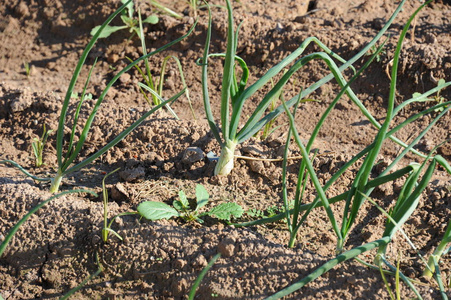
[(225, 210), (129, 21), (129, 7), (151, 19), (183, 200), (152, 210), (107, 31), (201, 196), (178, 205)]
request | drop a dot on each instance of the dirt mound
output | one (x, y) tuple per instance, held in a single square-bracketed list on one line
[(61, 244)]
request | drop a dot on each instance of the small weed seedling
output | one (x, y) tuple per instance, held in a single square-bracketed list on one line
[(38, 146), (379, 54), (269, 212), (130, 22), (192, 3), (182, 208), (82, 97), (437, 98)]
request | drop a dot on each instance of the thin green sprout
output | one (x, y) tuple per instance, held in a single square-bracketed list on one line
[(85, 281), (438, 278), (387, 286), (201, 276), (438, 252), (149, 78), (38, 145)]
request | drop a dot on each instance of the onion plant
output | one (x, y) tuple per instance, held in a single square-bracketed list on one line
[(418, 177), (355, 196), (443, 247), (404, 207), (68, 152), (234, 92)]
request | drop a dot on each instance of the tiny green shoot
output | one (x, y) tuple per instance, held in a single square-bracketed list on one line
[(106, 230), (437, 98), (38, 145), (201, 276), (182, 208), (379, 54), (129, 20), (438, 252), (27, 68)]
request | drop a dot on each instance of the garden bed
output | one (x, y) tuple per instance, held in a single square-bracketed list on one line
[(62, 243)]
